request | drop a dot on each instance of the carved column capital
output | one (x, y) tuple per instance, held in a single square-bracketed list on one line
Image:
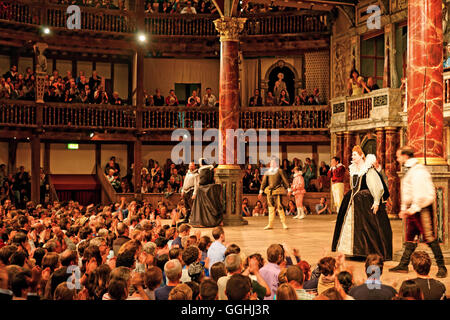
[(229, 28)]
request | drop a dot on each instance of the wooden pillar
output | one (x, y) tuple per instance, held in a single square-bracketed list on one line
[(137, 165), (47, 158), (12, 156), (284, 154), (35, 168), (315, 157), (98, 156), (130, 155)]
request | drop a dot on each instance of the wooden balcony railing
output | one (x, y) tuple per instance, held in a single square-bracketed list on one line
[(300, 117), (88, 116), (380, 108), (118, 21), (359, 108), (179, 117), (14, 113), (93, 19), (447, 87), (283, 23), (181, 24), (17, 113)]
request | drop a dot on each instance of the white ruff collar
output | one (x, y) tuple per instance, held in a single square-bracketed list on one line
[(370, 159), (411, 162), (298, 174)]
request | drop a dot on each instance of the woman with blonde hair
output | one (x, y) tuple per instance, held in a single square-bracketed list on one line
[(362, 225), (286, 292)]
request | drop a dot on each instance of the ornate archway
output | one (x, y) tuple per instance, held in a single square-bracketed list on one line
[(297, 81)]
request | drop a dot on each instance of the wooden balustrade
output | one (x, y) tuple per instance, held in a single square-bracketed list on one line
[(283, 23), (17, 113), (117, 21), (88, 116), (93, 19), (179, 117), (285, 118), (446, 87), (359, 109)]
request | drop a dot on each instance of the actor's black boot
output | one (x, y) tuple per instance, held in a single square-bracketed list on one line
[(436, 248), (404, 261)]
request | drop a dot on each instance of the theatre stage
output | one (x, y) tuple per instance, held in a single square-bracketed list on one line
[(312, 237)]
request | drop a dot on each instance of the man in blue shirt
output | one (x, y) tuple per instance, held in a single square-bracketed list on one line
[(216, 252), (173, 271)]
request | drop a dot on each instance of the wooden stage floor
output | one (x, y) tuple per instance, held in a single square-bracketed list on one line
[(312, 237)]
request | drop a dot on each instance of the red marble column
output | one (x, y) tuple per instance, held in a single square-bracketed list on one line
[(425, 80), (381, 146), (229, 103), (229, 173), (349, 143), (391, 169)]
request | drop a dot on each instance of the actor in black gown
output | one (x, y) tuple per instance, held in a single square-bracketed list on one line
[(207, 210), (359, 231)]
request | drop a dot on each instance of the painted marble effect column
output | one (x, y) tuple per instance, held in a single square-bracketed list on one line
[(349, 143), (229, 174), (425, 80), (381, 146), (391, 169), (229, 104)]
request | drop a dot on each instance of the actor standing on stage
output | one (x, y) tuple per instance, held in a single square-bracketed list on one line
[(418, 194), (187, 191), (337, 174), (298, 190), (274, 185), (207, 209), (362, 224)]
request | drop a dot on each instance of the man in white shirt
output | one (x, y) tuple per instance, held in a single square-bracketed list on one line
[(209, 100), (418, 194), (188, 191), (189, 9)]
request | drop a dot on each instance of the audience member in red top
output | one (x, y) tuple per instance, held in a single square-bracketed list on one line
[(336, 174)]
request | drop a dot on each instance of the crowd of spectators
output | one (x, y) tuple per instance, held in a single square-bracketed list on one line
[(283, 99), (15, 188), (58, 88), (168, 179), (158, 100), (123, 251), (100, 4)]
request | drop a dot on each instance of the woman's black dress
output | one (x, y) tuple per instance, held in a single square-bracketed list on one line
[(207, 210), (371, 233)]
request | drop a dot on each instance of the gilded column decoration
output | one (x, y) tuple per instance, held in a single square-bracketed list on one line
[(41, 70)]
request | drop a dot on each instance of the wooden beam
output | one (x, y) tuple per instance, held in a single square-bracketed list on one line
[(137, 165), (98, 156), (12, 156), (47, 146), (35, 168)]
